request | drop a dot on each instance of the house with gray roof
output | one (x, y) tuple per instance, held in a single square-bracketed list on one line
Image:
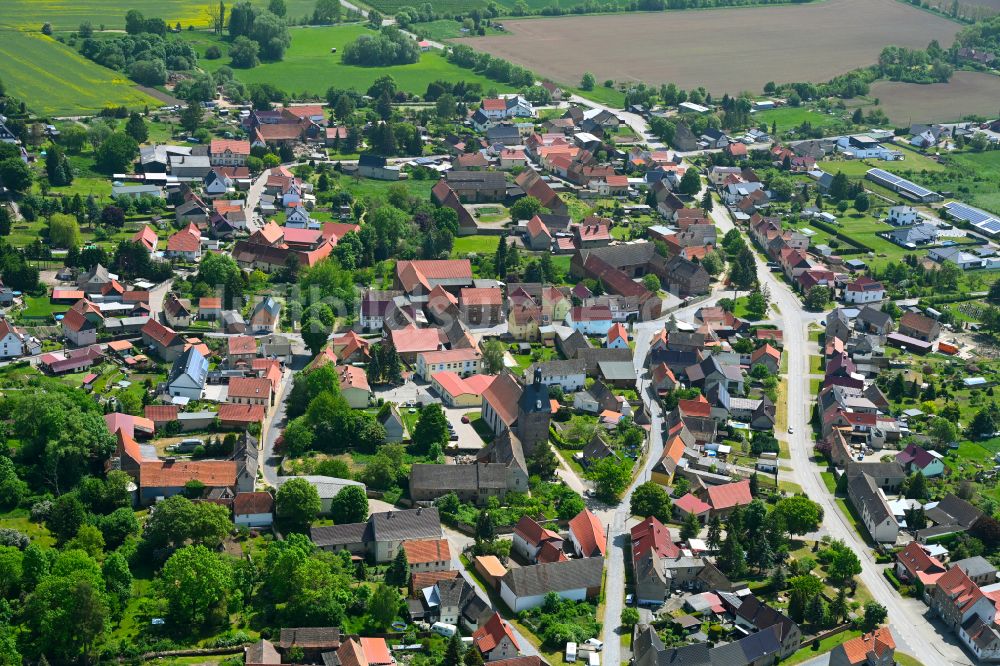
[(921, 234), (474, 482), (188, 375), (382, 535), (525, 587), (978, 569), (873, 508)]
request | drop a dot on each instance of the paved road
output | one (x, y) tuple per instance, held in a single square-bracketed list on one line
[(254, 220), (907, 617)]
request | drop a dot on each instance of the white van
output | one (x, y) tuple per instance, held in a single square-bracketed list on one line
[(570, 652), (444, 629), (594, 659)]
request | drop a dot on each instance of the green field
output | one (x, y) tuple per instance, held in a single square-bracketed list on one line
[(111, 13), (310, 67), (477, 244), (451, 7), (789, 117), (53, 79), (972, 177)]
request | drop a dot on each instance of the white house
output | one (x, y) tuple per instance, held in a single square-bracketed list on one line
[(864, 290), (570, 375), (14, 343), (298, 218), (523, 588), (463, 362), (253, 509), (590, 320), (873, 508), (962, 259), (903, 216), (188, 375)]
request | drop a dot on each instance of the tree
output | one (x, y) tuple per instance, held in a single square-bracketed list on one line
[(195, 582), (493, 354), (64, 231), (453, 651), (116, 153), (732, 557), (383, 606), (714, 537), (817, 298), (629, 617), (707, 203), (191, 116), (446, 106), (651, 282), (431, 428), (816, 611), (65, 616), (916, 486), (757, 304), (800, 514), (117, 581), (297, 504), (277, 7), (350, 505), (588, 82), (690, 183), (839, 186), (844, 565), (650, 499), (317, 323), (525, 208), (862, 202), (690, 528), (271, 33), (15, 174), (398, 573), (610, 478), (244, 53), (66, 517), (177, 520), (113, 216), (57, 168), (543, 462), (326, 11), (485, 526), (875, 614)]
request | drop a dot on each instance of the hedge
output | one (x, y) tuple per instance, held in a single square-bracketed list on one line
[(890, 576)]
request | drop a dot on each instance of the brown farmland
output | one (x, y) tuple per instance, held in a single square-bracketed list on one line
[(965, 94), (725, 50)]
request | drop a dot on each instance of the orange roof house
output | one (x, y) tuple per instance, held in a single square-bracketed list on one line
[(587, 535)]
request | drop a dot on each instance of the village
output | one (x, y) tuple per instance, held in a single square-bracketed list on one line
[(524, 382)]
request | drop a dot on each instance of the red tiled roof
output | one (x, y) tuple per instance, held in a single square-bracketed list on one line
[(162, 335), (232, 413), (503, 396), (426, 551), (649, 535), (916, 559), (184, 241), (376, 651), (494, 104), (249, 503), (242, 344), (249, 387), (161, 413), (480, 296), (729, 495), (879, 641), (488, 636), (533, 533), (165, 474), (691, 504), (411, 340), (235, 146), (589, 533)]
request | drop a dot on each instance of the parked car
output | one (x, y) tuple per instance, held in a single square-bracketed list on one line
[(594, 643), (465, 419)]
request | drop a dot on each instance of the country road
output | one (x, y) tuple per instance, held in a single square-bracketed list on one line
[(908, 618)]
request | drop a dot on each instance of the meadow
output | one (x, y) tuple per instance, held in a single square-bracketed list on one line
[(789, 117), (973, 177), (53, 79), (310, 67), (111, 13), (805, 42)]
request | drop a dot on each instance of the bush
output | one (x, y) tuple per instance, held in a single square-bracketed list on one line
[(213, 52), (389, 47), (890, 576)]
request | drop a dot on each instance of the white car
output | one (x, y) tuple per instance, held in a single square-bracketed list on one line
[(594, 643), (629, 599), (791, 430)]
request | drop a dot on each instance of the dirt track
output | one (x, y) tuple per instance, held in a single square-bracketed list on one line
[(725, 50)]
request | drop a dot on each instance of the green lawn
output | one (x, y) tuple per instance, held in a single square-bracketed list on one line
[(973, 177), (111, 13), (830, 481), (309, 68), (806, 653), (475, 244), (53, 79), (18, 519), (815, 365), (39, 307), (609, 96), (790, 117)]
